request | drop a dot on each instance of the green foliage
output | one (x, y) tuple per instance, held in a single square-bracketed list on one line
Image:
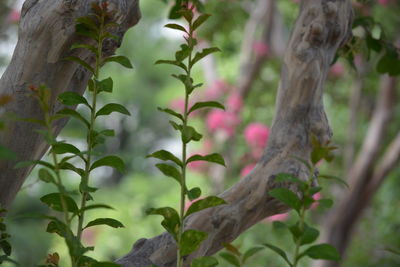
[(96, 27), (303, 234), (5, 246), (185, 58)]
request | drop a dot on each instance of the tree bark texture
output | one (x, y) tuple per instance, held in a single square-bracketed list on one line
[(46, 33), (322, 26)]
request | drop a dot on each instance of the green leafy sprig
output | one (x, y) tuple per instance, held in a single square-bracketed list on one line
[(189, 240), (95, 27), (302, 233)]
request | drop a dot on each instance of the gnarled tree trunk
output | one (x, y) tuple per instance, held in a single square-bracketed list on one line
[(46, 33), (322, 26)]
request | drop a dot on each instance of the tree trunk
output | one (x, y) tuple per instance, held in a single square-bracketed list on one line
[(322, 26), (46, 33)]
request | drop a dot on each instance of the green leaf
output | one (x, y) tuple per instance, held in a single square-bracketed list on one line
[(69, 166), (54, 201), (80, 62), (83, 30), (279, 225), (105, 85), (334, 178), (95, 206), (105, 221), (124, 61), (171, 220), (189, 133), (6, 247), (72, 99), (191, 240), (112, 107), (325, 203), (175, 27), (200, 20), (60, 228), (108, 132), (183, 53), (389, 63), (229, 257), (205, 261), (194, 193), (91, 48), (74, 114), (62, 148), (286, 196), (172, 62), (165, 155), (46, 176), (24, 164), (171, 112), (310, 234), (287, 177), (250, 252), (170, 171), (215, 158), (207, 104), (105, 264), (88, 22), (111, 161), (204, 203), (279, 251), (322, 252), (203, 53)]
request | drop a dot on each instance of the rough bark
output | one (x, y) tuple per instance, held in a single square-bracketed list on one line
[(46, 33), (365, 176), (264, 17), (322, 26)]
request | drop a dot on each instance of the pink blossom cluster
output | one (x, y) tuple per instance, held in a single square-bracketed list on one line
[(261, 48), (256, 135), (14, 16)]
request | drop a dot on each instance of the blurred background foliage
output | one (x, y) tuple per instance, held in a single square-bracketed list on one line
[(149, 86)]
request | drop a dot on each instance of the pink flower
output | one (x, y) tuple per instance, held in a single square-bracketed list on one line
[(261, 48), (14, 16), (247, 169), (256, 135), (216, 90), (337, 69), (89, 236), (234, 102), (316, 197), (226, 122), (278, 217)]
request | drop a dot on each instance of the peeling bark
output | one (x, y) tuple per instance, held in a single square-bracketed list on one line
[(322, 26), (46, 33)]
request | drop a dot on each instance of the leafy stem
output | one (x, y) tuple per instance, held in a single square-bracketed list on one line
[(88, 161)]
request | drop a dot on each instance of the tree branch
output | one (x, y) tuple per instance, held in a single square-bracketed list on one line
[(322, 26), (46, 33)]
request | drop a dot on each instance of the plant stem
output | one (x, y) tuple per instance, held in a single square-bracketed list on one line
[(184, 148), (85, 177), (58, 183), (298, 242), (302, 219)]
